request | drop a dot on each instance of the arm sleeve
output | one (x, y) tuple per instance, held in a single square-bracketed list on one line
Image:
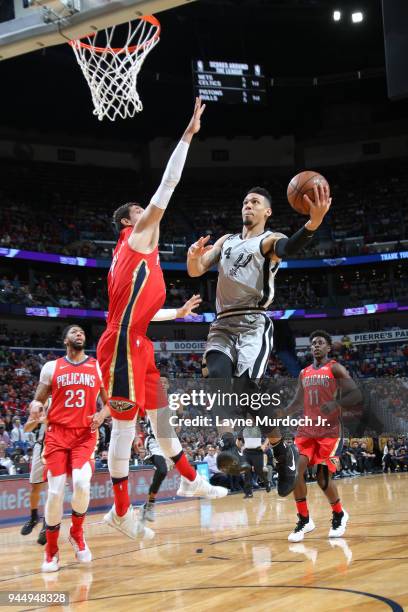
[(294, 244), (165, 314), (171, 176), (47, 373)]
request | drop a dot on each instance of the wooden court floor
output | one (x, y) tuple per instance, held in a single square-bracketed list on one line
[(233, 554)]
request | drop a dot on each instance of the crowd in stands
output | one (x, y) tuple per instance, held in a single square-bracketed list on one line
[(19, 372), (67, 209), (308, 290), (368, 360)]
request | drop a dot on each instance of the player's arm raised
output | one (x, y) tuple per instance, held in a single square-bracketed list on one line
[(202, 256), (283, 246), (146, 229), (350, 394)]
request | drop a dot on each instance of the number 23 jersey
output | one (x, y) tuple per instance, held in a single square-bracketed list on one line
[(74, 390)]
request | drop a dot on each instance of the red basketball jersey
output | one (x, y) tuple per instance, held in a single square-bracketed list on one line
[(136, 286), (319, 387), (75, 389)]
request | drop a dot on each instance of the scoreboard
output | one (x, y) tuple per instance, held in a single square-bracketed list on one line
[(229, 82)]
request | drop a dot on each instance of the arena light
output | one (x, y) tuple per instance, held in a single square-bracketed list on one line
[(336, 15), (357, 17)]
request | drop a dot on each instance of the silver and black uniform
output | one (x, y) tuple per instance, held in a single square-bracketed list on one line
[(245, 289), (37, 466), (150, 443), (152, 446)]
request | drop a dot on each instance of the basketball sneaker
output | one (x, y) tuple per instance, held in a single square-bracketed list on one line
[(82, 552), (339, 523), (287, 468), (200, 487), (42, 537), (304, 525), (129, 524), (50, 563), (147, 512), (29, 526)]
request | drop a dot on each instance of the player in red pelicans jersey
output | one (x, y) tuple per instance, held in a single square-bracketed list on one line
[(323, 389), (126, 356), (74, 383)]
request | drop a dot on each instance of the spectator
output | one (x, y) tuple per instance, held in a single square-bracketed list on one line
[(217, 478), (102, 460), (18, 434), (4, 437), (6, 464)]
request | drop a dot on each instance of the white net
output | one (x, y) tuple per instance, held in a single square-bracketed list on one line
[(111, 71)]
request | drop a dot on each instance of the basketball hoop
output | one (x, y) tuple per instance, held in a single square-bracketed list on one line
[(111, 71)]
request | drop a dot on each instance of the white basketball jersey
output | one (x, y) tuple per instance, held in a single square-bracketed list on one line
[(246, 279)]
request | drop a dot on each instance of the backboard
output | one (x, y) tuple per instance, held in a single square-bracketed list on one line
[(44, 23)]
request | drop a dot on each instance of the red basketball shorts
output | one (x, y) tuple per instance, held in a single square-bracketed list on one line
[(129, 373), (321, 450), (68, 448)]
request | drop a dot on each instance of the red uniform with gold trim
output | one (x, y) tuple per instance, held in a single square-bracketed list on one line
[(136, 292), (69, 442), (321, 437)]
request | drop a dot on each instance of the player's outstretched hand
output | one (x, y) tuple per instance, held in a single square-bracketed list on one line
[(195, 121), (320, 207), (189, 306), (200, 247)]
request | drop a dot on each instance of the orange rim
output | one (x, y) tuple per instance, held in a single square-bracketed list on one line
[(149, 18)]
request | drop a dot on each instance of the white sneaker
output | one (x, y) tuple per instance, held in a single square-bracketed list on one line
[(82, 552), (147, 512), (304, 525), (50, 564), (200, 487), (129, 524), (339, 524)]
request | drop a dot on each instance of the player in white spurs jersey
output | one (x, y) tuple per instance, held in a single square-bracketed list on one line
[(241, 338)]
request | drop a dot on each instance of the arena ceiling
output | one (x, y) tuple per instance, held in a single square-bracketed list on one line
[(295, 41)]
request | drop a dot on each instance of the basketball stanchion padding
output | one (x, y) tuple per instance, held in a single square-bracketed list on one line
[(111, 71)]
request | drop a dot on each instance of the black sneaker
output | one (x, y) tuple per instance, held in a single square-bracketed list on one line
[(287, 468), (29, 526), (42, 538), (268, 487), (232, 463), (248, 495)]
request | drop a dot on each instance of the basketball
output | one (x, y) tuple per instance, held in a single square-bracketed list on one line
[(300, 185)]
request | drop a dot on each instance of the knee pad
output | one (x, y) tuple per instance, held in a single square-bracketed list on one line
[(81, 480), (323, 477), (55, 499), (122, 436)]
